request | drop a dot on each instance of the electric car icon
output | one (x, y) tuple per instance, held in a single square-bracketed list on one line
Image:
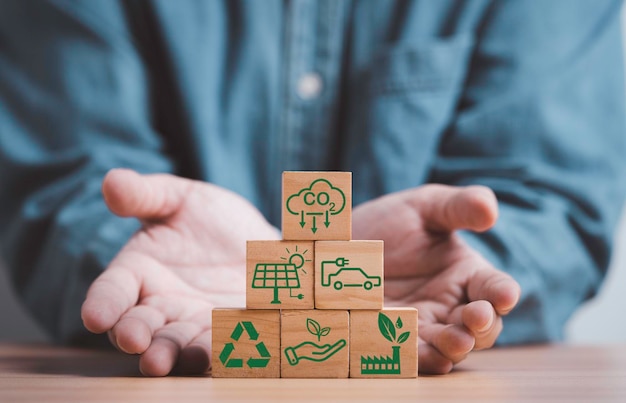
[(346, 276)]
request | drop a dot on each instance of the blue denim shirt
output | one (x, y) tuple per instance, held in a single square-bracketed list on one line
[(524, 97)]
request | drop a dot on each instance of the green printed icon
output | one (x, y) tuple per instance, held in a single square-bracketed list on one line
[(225, 355), (320, 200), (283, 275), (311, 351), (315, 329), (386, 365), (335, 273)]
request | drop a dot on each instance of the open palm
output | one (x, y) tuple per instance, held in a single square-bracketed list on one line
[(460, 296), (156, 296)]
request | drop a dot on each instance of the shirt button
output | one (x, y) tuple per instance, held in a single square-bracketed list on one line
[(310, 86)]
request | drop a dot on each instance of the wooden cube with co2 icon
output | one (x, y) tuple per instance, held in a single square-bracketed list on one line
[(317, 205)]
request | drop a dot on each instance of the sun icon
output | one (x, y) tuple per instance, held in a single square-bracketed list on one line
[(296, 258)]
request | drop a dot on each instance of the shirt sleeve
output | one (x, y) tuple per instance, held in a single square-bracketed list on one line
[(541, 122), (73, 104)]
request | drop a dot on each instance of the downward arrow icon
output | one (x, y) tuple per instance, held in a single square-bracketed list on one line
[(302, 223)]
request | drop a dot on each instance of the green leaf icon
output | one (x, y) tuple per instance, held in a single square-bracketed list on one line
[(399, 323), (403, 337), (313, 327), (386, 327)]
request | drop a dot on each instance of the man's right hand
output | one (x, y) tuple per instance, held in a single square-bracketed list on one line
[(156, 296)]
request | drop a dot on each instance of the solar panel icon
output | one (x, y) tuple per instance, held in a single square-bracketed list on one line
[(281, 275)]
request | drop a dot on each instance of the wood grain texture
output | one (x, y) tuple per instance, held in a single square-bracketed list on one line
[(246, 343), (383, 343), (314, 344), (349, 275), (40, 373), (317, 205), (279, 274)]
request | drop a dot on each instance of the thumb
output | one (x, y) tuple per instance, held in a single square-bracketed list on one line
[(449, 208), (148, 197)]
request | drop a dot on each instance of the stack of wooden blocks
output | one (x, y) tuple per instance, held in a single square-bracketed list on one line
[(315, 299)]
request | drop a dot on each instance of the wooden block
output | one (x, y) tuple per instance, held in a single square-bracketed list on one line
[(349, 275), (246, 344), (314, 344), (383, 344), (317, 205), (279, 275)]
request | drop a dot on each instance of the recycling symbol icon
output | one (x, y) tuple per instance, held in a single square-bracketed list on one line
[(225, 356)]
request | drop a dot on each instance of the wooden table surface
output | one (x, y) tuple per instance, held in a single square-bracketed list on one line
[(537, 373)]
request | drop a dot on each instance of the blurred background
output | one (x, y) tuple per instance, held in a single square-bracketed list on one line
[(601, 320)]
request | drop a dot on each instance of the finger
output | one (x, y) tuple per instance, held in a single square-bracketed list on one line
[(454, 342), (448, 208), (133, 332), (431, 361), (487, 337), (195, 358), (113, 341), (110, 295), (481, 319), (496, 287), (167, 343), (148, 197), (477, 316)]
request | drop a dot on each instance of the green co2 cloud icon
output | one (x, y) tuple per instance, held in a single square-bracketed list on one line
[(320, 199)]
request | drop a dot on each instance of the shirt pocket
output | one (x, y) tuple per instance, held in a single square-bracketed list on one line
[(400, 109), (427, 67)]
